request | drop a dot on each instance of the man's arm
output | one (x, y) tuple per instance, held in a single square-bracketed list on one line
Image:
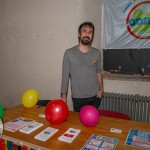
[(100, 82), (65, 77)]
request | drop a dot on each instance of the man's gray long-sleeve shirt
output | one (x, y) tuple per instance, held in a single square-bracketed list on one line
[(82, 69)]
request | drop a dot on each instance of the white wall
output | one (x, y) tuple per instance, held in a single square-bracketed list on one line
[(127, 87), (33, 37)]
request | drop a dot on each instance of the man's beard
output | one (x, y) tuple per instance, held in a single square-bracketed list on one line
[(86, 41)]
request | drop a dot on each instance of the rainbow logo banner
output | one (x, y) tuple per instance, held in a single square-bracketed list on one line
[(126, 24)]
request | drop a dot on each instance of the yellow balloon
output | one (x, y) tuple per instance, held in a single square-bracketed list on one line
[(30, 98)]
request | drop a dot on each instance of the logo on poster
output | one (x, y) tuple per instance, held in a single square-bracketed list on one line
[(138, 21)]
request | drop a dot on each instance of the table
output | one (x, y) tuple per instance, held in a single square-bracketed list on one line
[(103, 128)]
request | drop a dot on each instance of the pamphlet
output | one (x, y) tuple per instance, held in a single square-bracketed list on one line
[(31, 127), (138, 138), (98, 142), (17, 124), (46, 134), (69, 135)]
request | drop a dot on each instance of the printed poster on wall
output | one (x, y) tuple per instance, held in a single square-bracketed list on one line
[(126, 24)]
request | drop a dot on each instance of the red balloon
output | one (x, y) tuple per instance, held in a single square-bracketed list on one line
[(56, 111)]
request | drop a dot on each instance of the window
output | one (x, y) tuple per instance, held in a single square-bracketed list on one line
[(127, 61)]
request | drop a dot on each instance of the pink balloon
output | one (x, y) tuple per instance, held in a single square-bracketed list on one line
[(89, 116)]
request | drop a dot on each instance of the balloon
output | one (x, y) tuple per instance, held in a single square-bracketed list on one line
[(1, 111), (30, 98), (56, 111), (89, 115)]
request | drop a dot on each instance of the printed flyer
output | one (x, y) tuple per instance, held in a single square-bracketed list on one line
[(138, 138), (97, 142), (17, 124)]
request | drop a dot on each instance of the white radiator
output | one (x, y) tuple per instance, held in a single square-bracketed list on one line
[(135, 106)]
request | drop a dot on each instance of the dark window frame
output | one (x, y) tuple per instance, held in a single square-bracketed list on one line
[(127, 61)]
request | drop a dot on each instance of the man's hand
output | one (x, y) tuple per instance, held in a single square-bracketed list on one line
[(100, 93), (64, 97)]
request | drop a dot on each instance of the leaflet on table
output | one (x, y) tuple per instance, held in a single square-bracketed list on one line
[(138, 138), (69, 135), (97, 142), (17, 124)]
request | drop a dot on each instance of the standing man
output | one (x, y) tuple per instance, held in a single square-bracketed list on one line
[(82, 64)]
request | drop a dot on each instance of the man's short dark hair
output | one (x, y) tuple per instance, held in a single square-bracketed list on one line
[(87, 23)]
